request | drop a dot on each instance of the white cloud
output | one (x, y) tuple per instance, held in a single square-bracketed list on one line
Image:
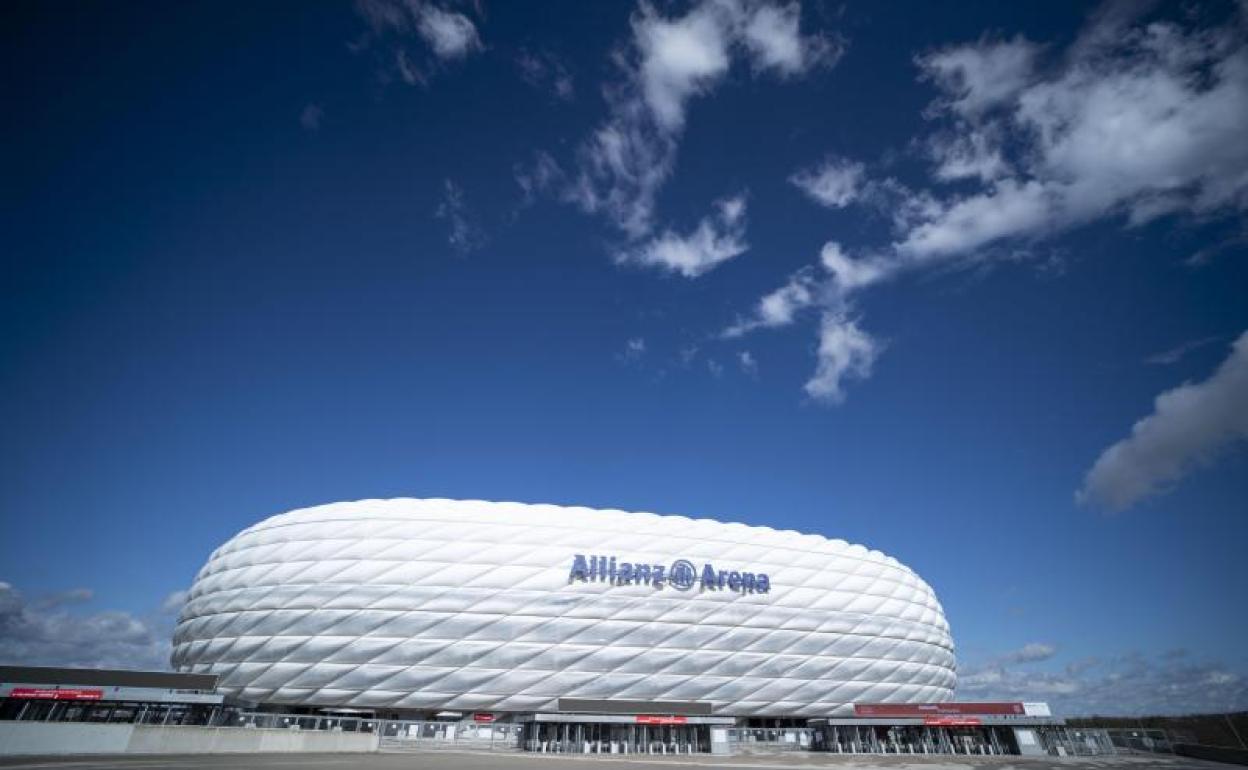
[(1133, 121), (1189, 426), (464, 235), (771, 33), (174, 602), (451, 35), (781, 306), (45, 632), (1143, 122), (970, 154), (311, 116), (748, 363), (718, 238), (1008, 208), (1032, 652), (835, 183), (447, 36), (978, 77), (634, 349), (1130, 684), (845, 353), (629, 157), (850, 274), (808, 288), (680, 58)]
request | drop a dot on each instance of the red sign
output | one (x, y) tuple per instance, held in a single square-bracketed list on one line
[(483, 717), (43, 694), (951, 721), (934, 709), (651, 719)]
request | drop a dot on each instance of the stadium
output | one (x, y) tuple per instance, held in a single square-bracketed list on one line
[(552, 629), (423, 606)]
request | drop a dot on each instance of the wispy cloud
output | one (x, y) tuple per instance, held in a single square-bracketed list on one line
[(49, 631), (717, 238), (1140, 120), (1137, 119), (1189, 426), (311, 116), (845, 353), (464, 235), (781, 306), (451, 35), (547, 73), (1176, 353), (835, 183), (672, 60), (1125, 684), (540, 175), (633, 350), (1032, 652), (445, 36), (748, 363), (174, 602)]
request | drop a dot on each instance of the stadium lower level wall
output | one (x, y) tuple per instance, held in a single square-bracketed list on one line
[(29, 738)]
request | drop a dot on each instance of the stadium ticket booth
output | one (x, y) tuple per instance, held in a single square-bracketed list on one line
[(618, 734)]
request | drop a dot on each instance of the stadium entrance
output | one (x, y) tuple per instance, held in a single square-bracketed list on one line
[(611, 734)]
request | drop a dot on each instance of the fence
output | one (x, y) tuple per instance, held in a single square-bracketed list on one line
[(765, 739), (1086, 742), (408, 735), (1147, 741), (414, 736)]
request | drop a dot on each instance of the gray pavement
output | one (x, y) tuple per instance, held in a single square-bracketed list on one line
[(452, 760)]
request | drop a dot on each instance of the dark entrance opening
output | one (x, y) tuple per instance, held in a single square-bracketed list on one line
[(600, 738)]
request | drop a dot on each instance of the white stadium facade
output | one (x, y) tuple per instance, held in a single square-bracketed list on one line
[(434, 605), (554, 629)]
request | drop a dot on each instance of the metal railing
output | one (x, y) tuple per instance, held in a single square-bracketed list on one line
[(402, 735), (769, 739)]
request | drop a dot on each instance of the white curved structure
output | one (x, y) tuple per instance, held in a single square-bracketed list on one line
[(446, 604)]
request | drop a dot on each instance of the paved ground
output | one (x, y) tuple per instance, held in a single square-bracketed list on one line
[(449, 760)]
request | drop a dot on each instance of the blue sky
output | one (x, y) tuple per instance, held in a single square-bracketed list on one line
[(965, 287)]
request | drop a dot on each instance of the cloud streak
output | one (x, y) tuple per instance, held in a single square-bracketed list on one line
[(1189, 426), (464, 235)]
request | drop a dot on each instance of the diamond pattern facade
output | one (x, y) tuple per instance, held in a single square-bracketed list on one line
[(446, 604)]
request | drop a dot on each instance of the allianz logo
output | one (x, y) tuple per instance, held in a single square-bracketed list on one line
[(681, 575)]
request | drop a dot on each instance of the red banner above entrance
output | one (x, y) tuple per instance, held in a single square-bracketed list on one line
[(951, 721), (934, 709), (650, 719), (51, 694)]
